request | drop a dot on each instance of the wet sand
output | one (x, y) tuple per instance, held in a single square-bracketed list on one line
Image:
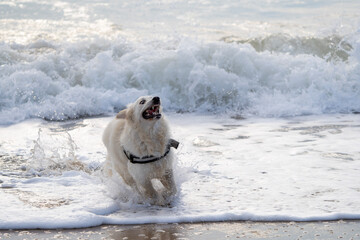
[(214, 230)]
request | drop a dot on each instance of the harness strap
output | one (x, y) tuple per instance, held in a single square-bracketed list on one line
[(149, 159)]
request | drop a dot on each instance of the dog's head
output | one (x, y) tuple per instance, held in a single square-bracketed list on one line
[(147, 108)]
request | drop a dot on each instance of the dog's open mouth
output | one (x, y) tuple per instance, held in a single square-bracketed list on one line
[(152, 112)]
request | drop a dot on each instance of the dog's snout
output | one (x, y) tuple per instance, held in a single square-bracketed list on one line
[(156, 100)]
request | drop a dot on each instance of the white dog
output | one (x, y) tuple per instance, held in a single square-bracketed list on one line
[(138, 148)]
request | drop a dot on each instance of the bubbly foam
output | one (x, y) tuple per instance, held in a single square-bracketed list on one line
[(59, 82), (294, 169)]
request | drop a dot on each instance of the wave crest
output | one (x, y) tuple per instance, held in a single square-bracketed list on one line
[(273, 76)]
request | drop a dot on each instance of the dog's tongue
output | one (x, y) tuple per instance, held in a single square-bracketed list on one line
[(154, 109), (153, 112)]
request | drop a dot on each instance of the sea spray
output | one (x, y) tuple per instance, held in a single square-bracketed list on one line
[(54, 154)]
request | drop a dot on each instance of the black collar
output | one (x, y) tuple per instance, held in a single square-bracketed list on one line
[(149, 159)]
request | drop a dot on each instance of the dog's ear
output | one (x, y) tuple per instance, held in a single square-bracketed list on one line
[(122, 114), (130, 114), (127, 114)]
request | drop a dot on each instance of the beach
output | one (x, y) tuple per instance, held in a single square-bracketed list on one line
[(219, 230)]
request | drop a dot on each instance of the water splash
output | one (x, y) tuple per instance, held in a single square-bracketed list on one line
[(54, 153)]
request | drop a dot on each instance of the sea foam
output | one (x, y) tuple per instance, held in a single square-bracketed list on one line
[(72, 80), (293, 169)]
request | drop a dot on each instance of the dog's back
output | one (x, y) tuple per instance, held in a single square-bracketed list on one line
[(112, 132)]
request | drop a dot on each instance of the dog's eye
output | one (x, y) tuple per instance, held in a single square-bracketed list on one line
[(142, 101)]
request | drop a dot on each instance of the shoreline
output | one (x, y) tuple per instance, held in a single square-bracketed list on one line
[(341, 229)]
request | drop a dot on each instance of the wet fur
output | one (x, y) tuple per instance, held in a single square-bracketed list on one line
[(141, 137)]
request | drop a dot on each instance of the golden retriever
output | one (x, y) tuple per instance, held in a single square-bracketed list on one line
[(138, 148)]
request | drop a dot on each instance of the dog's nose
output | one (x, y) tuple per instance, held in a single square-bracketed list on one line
[(156, 100)]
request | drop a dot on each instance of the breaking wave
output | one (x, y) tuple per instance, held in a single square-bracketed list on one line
[(273, 76)]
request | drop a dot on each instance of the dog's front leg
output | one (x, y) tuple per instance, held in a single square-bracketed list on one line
[(169, 183), (126, 176), (148, 191)]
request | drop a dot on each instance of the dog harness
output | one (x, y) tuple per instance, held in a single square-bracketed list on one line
[(149, 159)]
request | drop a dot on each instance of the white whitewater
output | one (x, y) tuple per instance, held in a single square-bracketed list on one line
[(295, 169), (264, 97)]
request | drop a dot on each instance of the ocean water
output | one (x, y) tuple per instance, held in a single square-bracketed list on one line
[(264, 97)]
